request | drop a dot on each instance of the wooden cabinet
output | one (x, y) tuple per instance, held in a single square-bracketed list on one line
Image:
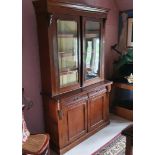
[(75, 92)]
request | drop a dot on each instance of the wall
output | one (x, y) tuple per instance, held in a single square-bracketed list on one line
[(30, 57), (124, 4), (31, 80)]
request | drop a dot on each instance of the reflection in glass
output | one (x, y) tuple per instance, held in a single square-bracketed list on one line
[(67, 52), (92, 49)]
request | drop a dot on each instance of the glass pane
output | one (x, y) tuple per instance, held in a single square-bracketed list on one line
[(92, 49), (67, 52)]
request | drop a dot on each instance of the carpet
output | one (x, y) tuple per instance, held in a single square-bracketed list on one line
[(116, 146)]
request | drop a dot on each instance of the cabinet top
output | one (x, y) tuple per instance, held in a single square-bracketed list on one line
[(84, 90), (52, 6)]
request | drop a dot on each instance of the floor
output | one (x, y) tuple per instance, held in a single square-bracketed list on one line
[(93, 143)]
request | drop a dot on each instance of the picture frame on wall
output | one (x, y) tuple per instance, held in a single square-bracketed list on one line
[(125, 30), (130, 33)]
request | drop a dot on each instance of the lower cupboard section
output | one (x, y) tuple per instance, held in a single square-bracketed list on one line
[(71, 120)]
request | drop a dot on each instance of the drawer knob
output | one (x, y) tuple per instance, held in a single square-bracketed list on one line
[(76, 98)]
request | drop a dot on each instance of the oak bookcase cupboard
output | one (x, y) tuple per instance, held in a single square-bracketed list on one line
[(74, 91)]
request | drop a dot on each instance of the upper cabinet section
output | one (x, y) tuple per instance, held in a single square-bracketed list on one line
[(71, 45)]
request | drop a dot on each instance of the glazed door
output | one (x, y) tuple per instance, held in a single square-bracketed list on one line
[(66, 52), (92, 50), (97, 110)]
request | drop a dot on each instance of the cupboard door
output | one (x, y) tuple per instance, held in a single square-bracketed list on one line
[(66, 51), (92, 50), (76, 120), (97, 111)]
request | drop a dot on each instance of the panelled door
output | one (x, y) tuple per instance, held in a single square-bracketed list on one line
[(76, 119), (97, 111)]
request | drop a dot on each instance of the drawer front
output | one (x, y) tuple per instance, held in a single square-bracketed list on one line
[(74, 100), (97, 91)]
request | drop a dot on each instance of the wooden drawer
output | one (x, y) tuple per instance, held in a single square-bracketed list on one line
[(97, 91), (74, 99)]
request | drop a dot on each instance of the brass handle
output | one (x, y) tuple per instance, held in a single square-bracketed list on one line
[(60, 114)]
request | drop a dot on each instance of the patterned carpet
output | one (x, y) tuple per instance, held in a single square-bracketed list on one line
[(114, 147)]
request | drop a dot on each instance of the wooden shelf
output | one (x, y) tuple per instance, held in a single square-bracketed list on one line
[(123, 86), (123, 112), (67, 35), (68, 72), (67, 54), (91, 35)]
